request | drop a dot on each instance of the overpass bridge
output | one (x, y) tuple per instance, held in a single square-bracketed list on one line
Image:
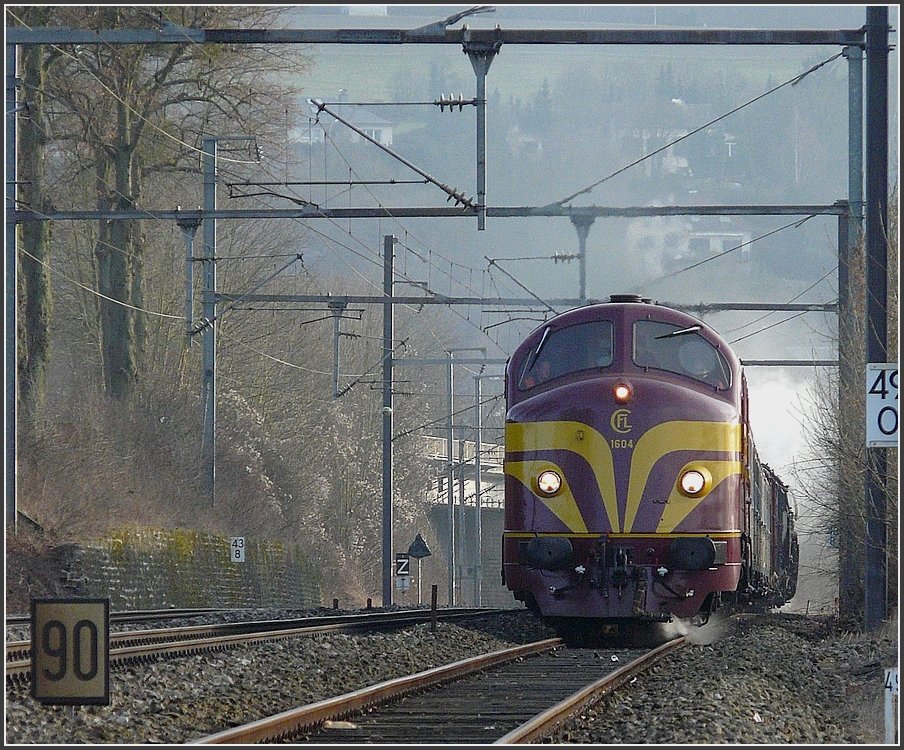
[(476, 581), (492, 478)]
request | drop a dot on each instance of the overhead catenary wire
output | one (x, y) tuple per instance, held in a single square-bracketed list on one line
[(742, 105), (374, 261), (97, 293), (788, 302), (791, 81), (452, 263), (113, 190), (530, 292), (766, 328), (179, 318), (793, 224), (444, 418), (205, 323), (671, 274)]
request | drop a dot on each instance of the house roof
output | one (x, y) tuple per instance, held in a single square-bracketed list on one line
[(358, 116)]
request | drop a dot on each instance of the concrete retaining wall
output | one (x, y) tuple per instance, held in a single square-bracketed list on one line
[(141, 568)]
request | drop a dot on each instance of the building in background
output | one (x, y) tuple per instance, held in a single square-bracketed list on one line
[(322, 127)]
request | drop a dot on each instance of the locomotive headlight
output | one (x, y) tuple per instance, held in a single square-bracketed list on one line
[(622, 392), (549, 482), (693, 482)]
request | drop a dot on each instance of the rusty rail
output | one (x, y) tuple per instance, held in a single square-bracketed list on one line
[(286, 724), (543, 724)]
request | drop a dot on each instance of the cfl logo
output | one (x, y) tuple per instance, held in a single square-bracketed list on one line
[(619, 421)]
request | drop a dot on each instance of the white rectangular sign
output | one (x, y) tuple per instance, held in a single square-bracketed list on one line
[(891, 706), (881, 405), (891, 680), (237, 549)]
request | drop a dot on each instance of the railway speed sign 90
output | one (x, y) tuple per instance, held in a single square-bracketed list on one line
[(881, 405)]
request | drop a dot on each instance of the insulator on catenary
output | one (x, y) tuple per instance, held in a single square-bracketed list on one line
[(453, 102)]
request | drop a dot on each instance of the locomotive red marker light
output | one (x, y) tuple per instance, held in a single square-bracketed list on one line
[(622, 392), (549, 482)]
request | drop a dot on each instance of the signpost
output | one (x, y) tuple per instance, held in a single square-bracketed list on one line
[(881, 432), (418, 549), (402, 571), (402, 564), (70, 651), (237, 549), (881, 405), (891, 705)]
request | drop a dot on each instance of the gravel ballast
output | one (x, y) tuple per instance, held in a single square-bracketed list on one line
[(769, 679), (766, 679)]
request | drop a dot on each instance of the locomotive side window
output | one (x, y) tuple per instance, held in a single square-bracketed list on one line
[(562, 351), (681, 350)]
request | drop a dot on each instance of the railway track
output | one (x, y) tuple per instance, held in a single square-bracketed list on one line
[(139, 615), (137, 645), (512, 696)]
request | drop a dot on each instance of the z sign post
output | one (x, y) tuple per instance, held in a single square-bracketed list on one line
[(881, 405), (402, 571)]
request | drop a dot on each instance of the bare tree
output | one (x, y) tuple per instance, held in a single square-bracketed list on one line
[(34, 297), (133, 110), (834, 478)]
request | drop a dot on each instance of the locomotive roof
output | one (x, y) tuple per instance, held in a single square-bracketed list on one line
[(630, 303), (618, 301)]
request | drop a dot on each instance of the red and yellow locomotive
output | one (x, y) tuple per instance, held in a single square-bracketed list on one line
[(633, 488)]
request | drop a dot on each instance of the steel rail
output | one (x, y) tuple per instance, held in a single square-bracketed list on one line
[(215, 637), (288, 723), (543, 724), (126, 637), (139, 615)]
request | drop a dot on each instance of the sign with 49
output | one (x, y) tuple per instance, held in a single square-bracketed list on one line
[(881, 405)]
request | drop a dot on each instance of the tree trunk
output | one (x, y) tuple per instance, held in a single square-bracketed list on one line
[(34, 293), (115, 266)]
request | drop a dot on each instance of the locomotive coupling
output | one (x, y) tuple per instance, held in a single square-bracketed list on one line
[(558, 590)]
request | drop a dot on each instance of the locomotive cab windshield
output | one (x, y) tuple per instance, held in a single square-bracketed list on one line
[(562, 351), (682, 350)]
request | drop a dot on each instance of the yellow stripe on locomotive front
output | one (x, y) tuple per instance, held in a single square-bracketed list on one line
[(563, 505), (571, 436), (589, 444)]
